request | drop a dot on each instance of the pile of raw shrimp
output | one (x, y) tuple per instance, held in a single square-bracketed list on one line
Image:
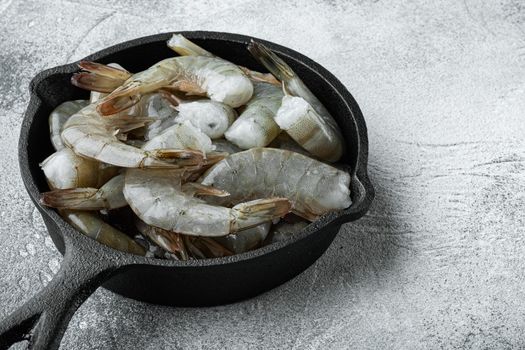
[(195, 157)]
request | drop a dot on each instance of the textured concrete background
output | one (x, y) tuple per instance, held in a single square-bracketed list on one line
[(439, 260)]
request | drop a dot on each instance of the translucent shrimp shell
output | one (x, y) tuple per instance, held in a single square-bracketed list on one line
[(58, 118), (223, 81), (159, 199), (256, 127), (313, 187), (64, 169)]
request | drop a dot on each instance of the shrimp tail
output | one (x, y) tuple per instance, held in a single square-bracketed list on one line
[(185, 47), (271, 61), (192, 248), (169, 241), (121, 98), (109, 196), (94, 82), (256, 212), (73, 198), (104, 70), (172, 242), (99, 77)]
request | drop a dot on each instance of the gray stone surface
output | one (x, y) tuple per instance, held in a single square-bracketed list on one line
[(439, 260)]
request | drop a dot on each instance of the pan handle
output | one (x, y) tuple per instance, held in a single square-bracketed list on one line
[(43, 319)]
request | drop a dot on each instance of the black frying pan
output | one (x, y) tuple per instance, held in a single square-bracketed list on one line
[(87, 264)]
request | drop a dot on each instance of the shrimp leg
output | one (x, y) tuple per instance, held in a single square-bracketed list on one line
[(169, 241), (204, 247)]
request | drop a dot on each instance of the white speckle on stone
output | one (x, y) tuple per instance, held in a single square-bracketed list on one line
[(45, 278), (30, 248), (38, 222), (48, 242), (54, 265), (23, 283)]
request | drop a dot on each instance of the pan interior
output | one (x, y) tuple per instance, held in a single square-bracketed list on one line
[(140, 54)]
